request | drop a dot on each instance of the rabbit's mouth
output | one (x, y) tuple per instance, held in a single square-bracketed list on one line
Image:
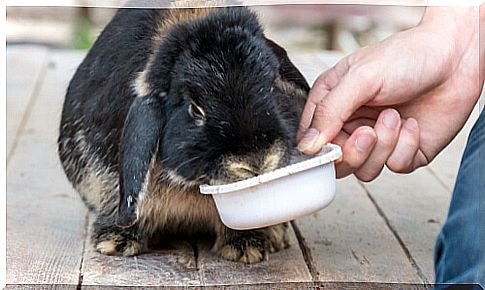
[(236, 167)]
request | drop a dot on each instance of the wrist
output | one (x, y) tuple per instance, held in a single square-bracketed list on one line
[(459, 28), (459, 24)]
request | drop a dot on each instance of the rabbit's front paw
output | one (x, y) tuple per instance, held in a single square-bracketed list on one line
[(244, 246), (244, 253), (116, 245), (279, 237), (109, 239)]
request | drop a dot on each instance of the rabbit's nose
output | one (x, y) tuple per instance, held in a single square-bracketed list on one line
[(240, 167), (242, 170), (246, 169)]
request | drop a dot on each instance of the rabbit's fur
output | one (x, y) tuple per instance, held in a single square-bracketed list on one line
[(167, 100)]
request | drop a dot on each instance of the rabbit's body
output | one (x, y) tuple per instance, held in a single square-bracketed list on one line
[(167, 100)]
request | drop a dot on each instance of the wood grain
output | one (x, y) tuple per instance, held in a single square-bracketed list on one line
[(45, 218), (415, 206), (284, 266), (170, 264), (349, 241), (24, 65)]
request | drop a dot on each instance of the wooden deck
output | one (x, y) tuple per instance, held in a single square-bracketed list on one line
[(380, 232)]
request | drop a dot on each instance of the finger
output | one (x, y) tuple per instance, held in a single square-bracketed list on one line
[(387, 129), (402, 158), (322, 86), (356, 150), (354, 90), (353, 125), (366, 112), (340, 140)]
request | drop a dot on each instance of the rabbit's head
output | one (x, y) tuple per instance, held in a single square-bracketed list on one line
[(214, 92)]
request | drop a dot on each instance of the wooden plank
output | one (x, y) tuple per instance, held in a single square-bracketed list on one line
[(349, 241), (284, 266), (172, 263), (24, 65), (446, 164), (415, 206), (45, 217), (39, 287), (322, 285)]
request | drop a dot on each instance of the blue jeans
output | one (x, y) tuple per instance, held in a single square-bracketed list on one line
[(460, 247)]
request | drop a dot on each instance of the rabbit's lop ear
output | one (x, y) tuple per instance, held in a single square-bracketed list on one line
[(139, 144), (288, 70), (143, 127)]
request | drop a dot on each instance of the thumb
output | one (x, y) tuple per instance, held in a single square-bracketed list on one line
[(334, 97)]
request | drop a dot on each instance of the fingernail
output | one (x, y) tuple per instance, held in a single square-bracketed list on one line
[(308, 140), (411, 124), (364, 142), (391, 119)]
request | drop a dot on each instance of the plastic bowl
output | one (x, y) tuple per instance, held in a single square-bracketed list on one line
[(282, 195)]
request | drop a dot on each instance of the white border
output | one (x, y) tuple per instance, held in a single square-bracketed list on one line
[(3, 146), (191, 3)]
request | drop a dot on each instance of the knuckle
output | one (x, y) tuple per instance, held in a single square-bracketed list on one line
[(323, 113), (353, 163), (386, 141), (321, 110), (367, 76), (412, 143)]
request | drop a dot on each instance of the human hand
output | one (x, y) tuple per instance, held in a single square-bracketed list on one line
[(401, 101)]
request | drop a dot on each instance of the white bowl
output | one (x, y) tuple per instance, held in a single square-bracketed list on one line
[(279, 196)]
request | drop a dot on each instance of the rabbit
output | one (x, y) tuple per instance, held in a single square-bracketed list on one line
[(167, 100)]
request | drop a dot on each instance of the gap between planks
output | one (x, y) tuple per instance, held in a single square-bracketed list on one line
[(406, 251), (84, 249), (306, 252)]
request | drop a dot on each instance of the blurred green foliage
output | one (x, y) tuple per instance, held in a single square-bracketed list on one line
[(84, 35)]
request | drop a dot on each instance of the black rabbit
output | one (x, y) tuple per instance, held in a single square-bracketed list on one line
[(170, 99)]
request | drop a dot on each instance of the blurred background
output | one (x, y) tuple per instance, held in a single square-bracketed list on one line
[(342, 28)]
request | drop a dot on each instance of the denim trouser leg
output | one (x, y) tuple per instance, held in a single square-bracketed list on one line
[(460, 247)]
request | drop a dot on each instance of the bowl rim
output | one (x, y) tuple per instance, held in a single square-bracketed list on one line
[(329, 153)]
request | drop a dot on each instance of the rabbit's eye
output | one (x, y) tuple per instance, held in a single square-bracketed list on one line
[(197, 114)]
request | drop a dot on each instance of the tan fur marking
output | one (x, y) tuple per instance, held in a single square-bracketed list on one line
[(279, 237), (241, 170), (176, 209), (230, 253), (273, 157), (250, 255), (290, 89), (243, 167), (106, 247), (180, 15), (253, 255), (99, 185), (140, 85)]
